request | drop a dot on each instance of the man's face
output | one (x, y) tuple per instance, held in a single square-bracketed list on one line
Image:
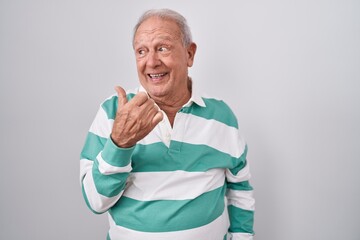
[(161, 58)]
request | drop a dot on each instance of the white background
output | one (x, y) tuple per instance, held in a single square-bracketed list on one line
[(289, 69)]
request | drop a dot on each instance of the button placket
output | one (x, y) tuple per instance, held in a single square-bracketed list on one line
[(179, 130), (166, 130)]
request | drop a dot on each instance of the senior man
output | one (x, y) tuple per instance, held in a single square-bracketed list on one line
[(164, 161)]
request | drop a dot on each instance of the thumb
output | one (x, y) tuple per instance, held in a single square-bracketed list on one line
[(122, 100)]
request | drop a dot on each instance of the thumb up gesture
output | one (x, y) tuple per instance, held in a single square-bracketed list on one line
[(134, 119)]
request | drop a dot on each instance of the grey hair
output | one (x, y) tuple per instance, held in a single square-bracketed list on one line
[(167, 14)]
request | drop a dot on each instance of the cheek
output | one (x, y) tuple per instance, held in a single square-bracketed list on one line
[(140, 65), (171, 63)]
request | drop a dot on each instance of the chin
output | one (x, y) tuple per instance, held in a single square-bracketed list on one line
[(157, 91), (156, 94)]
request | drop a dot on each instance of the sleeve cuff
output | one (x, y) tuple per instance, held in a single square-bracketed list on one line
[(115, 156)]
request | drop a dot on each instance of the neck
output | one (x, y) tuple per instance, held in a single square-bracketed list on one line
[(173, 104)]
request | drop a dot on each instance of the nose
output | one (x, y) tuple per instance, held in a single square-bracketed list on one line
[(153, 59)]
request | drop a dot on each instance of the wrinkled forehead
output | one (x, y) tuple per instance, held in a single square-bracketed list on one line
[(157, 28)]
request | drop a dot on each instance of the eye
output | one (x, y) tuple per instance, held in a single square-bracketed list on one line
[(163, 49), (140, 51)]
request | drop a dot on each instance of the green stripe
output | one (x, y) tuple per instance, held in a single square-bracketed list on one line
[(169, 215), (108, 185), (93, 145), (241, 162), (215, 109), (115, 156), (241, 186), (110, 105), (241, 220), (191, 157)]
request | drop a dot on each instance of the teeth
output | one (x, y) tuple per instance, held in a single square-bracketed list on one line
[(157, 75)]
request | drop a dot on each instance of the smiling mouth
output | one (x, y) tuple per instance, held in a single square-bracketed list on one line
[(157, 76)]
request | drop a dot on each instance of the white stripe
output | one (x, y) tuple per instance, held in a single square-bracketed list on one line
[(207, 132), (101, 126), (152, 137), (107, 169), (177, 185), (85, 166), (240, 236), (241, 199), (98, 202), (215, 230), (242, 175)]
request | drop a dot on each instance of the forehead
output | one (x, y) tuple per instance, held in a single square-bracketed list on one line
[(157, 28)]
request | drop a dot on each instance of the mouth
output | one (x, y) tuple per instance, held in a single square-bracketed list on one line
[(156, 76)]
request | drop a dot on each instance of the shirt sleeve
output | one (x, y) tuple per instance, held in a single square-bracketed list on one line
[(104, 167), (240, 200)]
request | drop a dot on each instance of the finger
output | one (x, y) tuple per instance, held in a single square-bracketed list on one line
[(140, 98), (122, 100), (157, 118), (148, 106), (149, 109)]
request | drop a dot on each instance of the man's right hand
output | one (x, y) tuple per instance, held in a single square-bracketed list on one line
[(134, 119)]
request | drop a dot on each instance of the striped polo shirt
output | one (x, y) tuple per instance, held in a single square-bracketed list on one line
[(186, 182)]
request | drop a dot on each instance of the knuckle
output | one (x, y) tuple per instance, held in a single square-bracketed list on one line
[(140, 98), (141, 95)]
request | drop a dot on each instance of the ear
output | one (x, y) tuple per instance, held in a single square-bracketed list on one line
[(191, 50)]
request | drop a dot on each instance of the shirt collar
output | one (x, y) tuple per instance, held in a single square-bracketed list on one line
[(195, 96)]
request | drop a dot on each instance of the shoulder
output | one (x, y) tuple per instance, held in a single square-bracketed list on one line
[(217, 109)]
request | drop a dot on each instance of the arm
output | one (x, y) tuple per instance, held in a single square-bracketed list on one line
[(104, 167), (241, 204), (106, 161)]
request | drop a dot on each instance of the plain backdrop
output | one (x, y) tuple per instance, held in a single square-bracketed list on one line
[(290, 70)]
